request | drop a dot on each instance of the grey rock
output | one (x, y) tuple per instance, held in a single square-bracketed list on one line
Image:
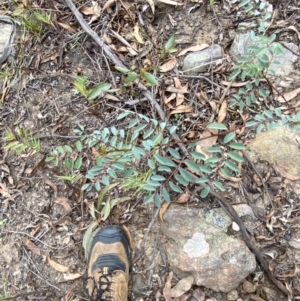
[(199, 61), (7, 32), (286, 60), (196, 247), (279, 147)]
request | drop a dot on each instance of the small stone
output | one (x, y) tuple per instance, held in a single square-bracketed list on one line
[(199, 61), (249, 287), (233, 295), (235, 227)]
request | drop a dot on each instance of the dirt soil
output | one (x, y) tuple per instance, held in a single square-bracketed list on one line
[(41, 251)]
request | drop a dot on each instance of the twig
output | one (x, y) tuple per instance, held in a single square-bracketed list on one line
[(258, 174), (201, 77)]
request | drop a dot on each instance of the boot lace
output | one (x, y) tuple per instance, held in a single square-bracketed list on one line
[(102, 289)]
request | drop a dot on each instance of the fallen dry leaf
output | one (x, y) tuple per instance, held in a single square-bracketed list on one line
[(288, 96), (108, 4), (67, 27), (223, 112), (207, 140), (184, 197), (198, 294), (192, 49), (232, 179), (167, 288), (151, 3), (234, 85), (170, 2), (57, 266), (94, 11), (112, 97), (168, 65), (66, 203), (49, 58), (182, 109), (162, 210), (49, 182), (182, 287), (294, 29), (71, 276), (31, 246), (137, 34)]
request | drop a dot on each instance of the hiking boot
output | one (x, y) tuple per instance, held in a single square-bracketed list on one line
[(108, 265)]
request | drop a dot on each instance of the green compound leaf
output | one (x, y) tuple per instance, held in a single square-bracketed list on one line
[(164, 161), (148, 144), (214, 149), (138, 152), (205, 169), (217, 126), (175, 153), (149, 188), (201, 180), (140, 127), (251, 123), (175, 188), (226, 172), (129, 172), (229, 137), (219, 185), (132, 123), (164, 168), (112, 173), (123, 115), (148, 133), (68, 148), (234, 74), (173, 129), (181, 180), (198, 156), (85, 186), (187, 175), (78, 163), (153, 183), (235, 156), (212, 160), (237, 145), (97, 186), (158, 178), (166, 195), (192, 165), (204, 193), (232, 166), (78, 145), (118, 166), (149, 199), (105, 180), (151, 164)]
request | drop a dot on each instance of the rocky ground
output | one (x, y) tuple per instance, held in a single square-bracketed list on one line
[(188, 250)]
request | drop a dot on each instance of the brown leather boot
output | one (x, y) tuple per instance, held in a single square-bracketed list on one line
[(108, 268)]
